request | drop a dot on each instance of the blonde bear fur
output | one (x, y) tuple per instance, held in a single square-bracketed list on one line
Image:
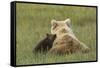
[(65, 42)]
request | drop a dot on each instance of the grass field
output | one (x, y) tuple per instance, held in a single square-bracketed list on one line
[(34, 21)]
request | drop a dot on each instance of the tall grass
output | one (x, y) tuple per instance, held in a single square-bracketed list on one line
[(33, 21)]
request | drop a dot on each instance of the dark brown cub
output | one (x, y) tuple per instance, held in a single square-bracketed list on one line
[(45, 44)]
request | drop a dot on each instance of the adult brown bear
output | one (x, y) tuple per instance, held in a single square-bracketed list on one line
[(66, 42)]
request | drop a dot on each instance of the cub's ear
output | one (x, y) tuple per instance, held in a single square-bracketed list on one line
[(47, 34), (55, 35), (68, 22), (54, 23)]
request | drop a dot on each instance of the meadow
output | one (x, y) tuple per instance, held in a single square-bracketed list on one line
[(33, 21)]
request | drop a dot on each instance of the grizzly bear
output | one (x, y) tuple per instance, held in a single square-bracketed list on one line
[(66, 42), (45, 44)]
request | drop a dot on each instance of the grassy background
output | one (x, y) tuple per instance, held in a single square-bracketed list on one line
[(34, 21)]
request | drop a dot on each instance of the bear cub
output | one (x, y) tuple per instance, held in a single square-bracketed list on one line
[(45, 44)]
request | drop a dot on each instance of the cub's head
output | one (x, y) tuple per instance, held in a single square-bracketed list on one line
[(51, 37), (58, 27)]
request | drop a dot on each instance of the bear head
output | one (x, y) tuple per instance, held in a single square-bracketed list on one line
[(51, 36), (61, 27)]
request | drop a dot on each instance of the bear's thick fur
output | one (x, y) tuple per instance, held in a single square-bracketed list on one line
[(45, 44), (65, 42)]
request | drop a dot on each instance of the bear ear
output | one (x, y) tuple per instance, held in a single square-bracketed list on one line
[(68, 22), (55, 35), (54, 23), (47, 34)]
